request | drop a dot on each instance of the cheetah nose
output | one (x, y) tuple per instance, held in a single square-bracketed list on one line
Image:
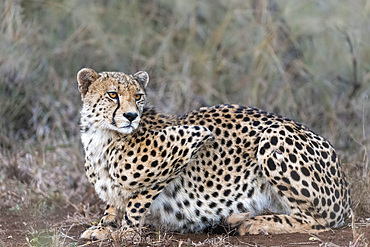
[(130, 116)]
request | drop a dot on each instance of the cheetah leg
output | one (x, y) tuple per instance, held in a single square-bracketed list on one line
[(303, 175), (106, 226), (136, 210), (274, 224)]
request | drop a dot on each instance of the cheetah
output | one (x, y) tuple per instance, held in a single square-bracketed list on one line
[(225, 165)]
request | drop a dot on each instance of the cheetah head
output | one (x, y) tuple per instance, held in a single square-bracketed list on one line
[(112, 100)]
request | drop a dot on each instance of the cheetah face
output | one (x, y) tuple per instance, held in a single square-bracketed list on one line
[(112, 100)]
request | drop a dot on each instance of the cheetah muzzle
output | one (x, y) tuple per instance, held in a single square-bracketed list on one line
[(225, 164)]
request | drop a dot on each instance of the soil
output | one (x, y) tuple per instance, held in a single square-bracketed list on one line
[(26, 228)]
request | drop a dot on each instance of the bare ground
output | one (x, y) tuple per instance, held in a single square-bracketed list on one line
[(62, 227)]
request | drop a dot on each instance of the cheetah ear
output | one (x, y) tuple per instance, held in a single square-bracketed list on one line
[(142, 77), (85, 77)]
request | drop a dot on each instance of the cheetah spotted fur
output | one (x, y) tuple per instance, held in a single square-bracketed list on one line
[(225, 165)]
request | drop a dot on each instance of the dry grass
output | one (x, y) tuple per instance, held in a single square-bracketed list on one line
[(307, 60)]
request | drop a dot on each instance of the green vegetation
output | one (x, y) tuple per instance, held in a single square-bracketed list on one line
[(307, 60)]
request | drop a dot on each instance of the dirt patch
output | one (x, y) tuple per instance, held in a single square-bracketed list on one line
[(61, 228)]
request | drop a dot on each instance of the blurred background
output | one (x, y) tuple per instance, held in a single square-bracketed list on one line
[(307, 60)]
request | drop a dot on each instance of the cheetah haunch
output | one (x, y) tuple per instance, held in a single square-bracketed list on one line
[(220, 165)]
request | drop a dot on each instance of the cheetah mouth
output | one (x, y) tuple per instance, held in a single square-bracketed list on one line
[(124, 130), (125, 127), (129, 125), (128, 129)]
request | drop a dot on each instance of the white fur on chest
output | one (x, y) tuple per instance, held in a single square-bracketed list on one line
[(97, 144)]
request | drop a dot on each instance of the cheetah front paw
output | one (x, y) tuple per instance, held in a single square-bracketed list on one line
[(98, 233)]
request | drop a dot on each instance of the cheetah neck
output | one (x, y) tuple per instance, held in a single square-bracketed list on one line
[(95, 143)]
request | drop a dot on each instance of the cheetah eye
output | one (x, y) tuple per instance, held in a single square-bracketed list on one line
[(112, 95), (138, 97)]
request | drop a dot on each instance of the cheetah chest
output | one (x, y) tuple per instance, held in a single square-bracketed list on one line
[(98, 147)]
